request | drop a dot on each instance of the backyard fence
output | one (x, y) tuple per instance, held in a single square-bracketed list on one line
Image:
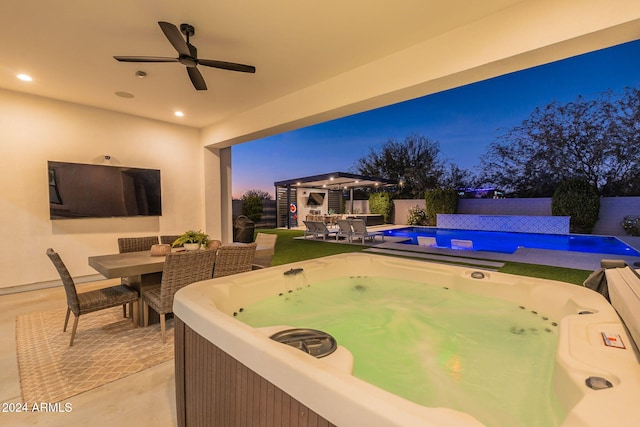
[(268, 219), (612, 210)]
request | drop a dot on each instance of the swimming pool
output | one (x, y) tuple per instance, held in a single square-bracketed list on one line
[(508, 243)]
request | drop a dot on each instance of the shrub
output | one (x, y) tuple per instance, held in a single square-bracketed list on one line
[(380, 203), (441, 201), (631, 225), (580, 200), (418, 216)]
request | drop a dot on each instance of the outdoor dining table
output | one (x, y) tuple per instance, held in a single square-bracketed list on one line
[(141, 270)]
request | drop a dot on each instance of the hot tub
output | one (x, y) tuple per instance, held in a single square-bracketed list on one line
[(228, 373)]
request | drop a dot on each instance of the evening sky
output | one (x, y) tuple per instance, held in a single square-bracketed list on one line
[(464, 120)]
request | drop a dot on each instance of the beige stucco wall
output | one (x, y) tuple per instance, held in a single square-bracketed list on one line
[(196, 182), (35, 130)]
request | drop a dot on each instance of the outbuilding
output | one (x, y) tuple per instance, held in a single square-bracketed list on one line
[(320, 197)]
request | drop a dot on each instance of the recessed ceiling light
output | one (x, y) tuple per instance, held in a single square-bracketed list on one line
[(25, 77), (125, 95), (179, 114)]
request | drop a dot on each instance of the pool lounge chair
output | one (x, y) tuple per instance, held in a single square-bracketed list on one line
[(462, 244), (323, 231), (344, 230), (360, 231), (427, 241), (310, 228), (318, 229)]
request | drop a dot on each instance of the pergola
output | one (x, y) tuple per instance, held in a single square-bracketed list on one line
[(333, 181)]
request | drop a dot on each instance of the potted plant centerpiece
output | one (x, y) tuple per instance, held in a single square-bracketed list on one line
[(192, 240)]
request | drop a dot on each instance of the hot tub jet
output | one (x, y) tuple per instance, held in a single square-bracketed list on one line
[(293, 271)]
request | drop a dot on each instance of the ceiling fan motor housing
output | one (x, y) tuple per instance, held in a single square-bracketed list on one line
[(187, 30), (187, 55)]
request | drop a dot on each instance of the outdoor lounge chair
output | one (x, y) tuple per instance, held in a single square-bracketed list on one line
[(344, 230), (318, 229), (323, 231), (427, 241), (360, 231), (462, 244), (265, 249), (310, 228)]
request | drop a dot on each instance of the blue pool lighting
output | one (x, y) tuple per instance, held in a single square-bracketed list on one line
[(508, 242)]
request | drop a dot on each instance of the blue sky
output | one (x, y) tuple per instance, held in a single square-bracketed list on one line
[(463, 120)]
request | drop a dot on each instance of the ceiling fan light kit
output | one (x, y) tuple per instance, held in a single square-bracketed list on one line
[(187, 55)]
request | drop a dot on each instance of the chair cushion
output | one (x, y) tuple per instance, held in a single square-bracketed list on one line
[(152, 297), (105, 298)]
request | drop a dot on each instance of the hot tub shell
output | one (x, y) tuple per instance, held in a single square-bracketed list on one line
[(228, 373)]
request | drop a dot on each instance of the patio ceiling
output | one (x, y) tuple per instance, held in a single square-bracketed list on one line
[(315, 61), (336, 181)]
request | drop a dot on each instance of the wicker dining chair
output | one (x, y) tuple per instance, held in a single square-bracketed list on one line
[(180, 269), (233, 259), (136, 244), (266, 247), (88, 302), (169, 239)]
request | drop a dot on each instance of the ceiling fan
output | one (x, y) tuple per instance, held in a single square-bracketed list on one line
[(187, 55)]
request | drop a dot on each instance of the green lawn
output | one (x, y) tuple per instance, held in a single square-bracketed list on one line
[(289, 249)]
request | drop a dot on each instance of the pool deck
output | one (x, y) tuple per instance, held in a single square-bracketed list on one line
[(567, 259)]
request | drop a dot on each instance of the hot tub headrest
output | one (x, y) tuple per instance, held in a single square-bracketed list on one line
[(624, 291), (597, 280)]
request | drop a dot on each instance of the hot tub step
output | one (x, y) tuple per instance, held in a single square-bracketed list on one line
[(444, 259)]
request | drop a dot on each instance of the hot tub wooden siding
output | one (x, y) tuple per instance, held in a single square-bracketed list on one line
[(214, 389)]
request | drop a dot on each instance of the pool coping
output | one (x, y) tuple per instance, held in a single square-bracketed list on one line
[(555, 258)]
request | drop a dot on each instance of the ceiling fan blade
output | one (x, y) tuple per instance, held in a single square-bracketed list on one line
[(174, 36), (227, 65), (196, 78), (145, 59)]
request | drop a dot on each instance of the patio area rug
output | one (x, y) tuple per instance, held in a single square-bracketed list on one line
[(106, 348)]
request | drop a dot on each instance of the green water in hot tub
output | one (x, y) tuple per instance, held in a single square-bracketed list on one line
[(435, 346)]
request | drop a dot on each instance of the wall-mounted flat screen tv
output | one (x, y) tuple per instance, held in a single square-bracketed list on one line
[(315, 199), (79, 190)]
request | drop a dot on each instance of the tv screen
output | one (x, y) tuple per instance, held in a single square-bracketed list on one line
[(96, 191), (315, 199)]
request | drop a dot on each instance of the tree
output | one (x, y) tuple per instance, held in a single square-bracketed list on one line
[(457, 178), (260, 194), (415, 162), (594, 140), (624, 179)]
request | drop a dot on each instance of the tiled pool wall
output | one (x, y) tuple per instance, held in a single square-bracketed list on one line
[(510, 223)]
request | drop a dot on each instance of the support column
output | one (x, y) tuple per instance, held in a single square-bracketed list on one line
[(217, 188)]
